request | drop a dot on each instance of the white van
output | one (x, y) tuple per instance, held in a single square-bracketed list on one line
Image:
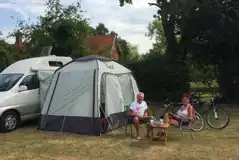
[(19, 89)]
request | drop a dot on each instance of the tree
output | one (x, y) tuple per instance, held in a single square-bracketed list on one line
[(62, 27), (206, 31), (101, 30), (203, 74), (171, 14), (134, 52), (212, 35), (155, 31), (6, 54), (129, 52), (122, 2), (113, 33)]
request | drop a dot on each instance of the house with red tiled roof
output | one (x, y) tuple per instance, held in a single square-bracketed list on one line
[(104, 46)]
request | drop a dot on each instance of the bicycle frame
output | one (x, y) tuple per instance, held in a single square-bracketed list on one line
[(210, 106), (207, 109), (170, 106)]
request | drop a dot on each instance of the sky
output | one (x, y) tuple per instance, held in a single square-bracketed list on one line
[(130, 21)]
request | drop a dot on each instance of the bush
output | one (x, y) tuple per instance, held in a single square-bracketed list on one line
[(161, 77), (229, 83)]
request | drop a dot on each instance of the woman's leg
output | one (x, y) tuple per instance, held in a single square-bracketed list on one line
[(173, 120), (171, 116)]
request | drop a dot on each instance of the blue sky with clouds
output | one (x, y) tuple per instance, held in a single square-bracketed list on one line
[(130, 21)]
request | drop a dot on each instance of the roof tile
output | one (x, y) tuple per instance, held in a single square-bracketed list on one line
[(97, 44)]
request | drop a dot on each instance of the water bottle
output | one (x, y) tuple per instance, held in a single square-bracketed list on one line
[(161, 120), (151, 122)]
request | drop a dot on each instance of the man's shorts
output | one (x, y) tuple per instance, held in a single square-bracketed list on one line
[(130, 120)]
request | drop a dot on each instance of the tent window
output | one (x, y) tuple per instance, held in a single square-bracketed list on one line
[(55, 63), (113, 95), (126, 88)]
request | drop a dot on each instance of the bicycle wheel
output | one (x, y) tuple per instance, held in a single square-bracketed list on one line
[(197, 124), (217, 118)]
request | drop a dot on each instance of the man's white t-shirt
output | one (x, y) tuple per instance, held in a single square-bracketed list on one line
[(138, 109)]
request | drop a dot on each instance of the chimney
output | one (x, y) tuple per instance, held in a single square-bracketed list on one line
[(19, 40)]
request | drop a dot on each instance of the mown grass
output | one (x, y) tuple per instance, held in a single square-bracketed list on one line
[(28, 143), (202, 85)]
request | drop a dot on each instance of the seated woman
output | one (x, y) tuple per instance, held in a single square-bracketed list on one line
[(184, 114)]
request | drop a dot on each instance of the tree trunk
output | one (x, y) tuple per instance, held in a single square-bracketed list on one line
[(168, 23)]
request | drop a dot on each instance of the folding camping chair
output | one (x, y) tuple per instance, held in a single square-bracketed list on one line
[(185, 126), (129, 121)]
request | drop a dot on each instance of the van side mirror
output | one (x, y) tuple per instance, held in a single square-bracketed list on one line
[(22, 88)]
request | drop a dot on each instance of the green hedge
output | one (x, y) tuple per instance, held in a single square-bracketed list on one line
[(228, 82), (161, 77)]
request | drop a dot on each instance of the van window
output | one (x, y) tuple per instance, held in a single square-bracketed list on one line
[(55, 63), (31, 82), (7, 81)]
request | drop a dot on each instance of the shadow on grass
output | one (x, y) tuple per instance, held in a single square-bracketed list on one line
[(133, 143), (29, 124), (121, 137)]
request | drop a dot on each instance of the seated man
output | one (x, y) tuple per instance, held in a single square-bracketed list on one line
[(138, 111)]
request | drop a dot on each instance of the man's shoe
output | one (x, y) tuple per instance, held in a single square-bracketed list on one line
[(139, 138)]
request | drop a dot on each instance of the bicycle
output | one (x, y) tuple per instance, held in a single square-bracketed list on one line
[(169, 106), (217, 112)]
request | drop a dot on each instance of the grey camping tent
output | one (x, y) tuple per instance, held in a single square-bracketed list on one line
[(45, 80), (85, 91)]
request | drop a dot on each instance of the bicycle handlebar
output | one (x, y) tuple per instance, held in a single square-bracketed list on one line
[(216, 97), (167, 102), (213, 100)]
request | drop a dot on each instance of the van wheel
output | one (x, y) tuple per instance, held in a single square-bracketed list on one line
[(9, 121)]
